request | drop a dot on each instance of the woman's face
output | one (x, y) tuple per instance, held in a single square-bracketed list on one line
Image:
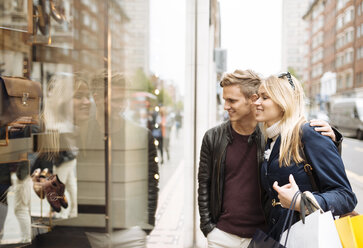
[(267, 110), (81, 103)]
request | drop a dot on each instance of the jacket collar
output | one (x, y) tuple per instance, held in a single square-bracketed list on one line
[(276, 149), (228, 128), (255, 136)]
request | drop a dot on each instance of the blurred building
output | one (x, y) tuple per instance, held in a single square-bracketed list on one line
[(219, 55), (293, 36), (334, 66), (137, 35)]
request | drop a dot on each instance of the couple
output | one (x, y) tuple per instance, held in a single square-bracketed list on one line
[(243, 186)]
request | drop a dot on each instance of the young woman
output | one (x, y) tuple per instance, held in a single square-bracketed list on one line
[(292, 143), (66, 111)]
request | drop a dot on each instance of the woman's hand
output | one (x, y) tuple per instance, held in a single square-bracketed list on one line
[(287, 192), (323, 127)]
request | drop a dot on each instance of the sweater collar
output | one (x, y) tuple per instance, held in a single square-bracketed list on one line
[(273, 131)]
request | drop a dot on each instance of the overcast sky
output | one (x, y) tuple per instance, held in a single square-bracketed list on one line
[(251, 33), (167, 40)]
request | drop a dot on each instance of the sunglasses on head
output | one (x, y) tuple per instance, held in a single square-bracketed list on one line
[(288, 75)]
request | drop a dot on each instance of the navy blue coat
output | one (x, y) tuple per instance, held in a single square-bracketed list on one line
[(335, 192)]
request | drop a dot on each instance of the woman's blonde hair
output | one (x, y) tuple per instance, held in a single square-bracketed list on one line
[(290, 98), (57, 115)]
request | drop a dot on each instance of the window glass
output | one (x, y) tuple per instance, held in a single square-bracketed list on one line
[(96, 137)]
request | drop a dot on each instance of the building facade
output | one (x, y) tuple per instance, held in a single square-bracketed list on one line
[(334, 62), (293, 36)]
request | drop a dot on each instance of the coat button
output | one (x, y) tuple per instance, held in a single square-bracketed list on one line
[(273, 221)]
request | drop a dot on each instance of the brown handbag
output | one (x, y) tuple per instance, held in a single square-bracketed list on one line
[(19, 99)]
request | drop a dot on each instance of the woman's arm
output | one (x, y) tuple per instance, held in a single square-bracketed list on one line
[(335, 191)]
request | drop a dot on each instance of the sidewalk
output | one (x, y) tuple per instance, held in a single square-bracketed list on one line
[(174, 215)]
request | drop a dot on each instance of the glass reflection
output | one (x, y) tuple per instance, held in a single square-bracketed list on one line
[(134, 169), (66, 108), (14, 15), (19, 100), (62, 182)]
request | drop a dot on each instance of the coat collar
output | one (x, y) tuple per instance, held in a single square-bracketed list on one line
[(275, 150)]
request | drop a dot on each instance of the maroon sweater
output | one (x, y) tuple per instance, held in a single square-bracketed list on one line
[(242, 212)]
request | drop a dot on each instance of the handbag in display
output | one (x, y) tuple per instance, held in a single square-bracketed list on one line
[(19, 103)]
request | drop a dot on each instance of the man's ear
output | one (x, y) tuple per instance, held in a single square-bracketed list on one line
[(254, 97)]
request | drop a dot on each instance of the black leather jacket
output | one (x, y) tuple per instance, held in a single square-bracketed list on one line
[(211, 172)]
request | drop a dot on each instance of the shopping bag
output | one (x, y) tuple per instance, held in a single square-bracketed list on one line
[(346, 233), (262, 240), (357, 223), (318, 231)]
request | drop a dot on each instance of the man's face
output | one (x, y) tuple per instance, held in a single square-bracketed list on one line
[(236, 104), (81, 103), (118, 100)]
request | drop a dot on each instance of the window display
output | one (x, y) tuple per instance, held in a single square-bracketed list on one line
[(65, 119)]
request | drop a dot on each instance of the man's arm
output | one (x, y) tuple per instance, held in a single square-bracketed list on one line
[(325, 129), (204, 178)]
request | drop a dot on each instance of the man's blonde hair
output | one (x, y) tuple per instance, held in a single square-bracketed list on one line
[(291, 102), (99, 79), (247, 80)]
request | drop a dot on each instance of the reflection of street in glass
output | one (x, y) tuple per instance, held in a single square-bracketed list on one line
[(161, 122), (135, 169)]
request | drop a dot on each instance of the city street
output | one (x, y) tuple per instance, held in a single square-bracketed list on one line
[(352, 155), (175, 207)]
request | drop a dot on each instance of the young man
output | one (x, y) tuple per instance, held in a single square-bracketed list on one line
[(229, 195)]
